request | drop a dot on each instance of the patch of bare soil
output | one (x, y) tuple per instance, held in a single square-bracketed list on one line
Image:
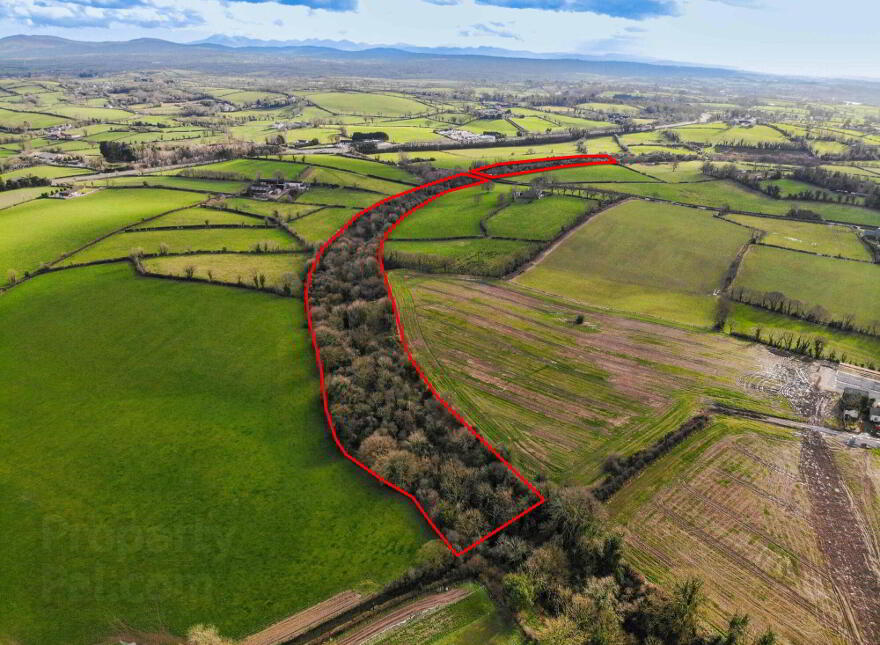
[(301, 622), (842, 540), (794, 380)]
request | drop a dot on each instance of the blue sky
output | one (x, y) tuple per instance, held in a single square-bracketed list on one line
[(804, 37)]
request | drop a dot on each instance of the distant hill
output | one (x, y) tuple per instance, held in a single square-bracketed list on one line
[(49, 54)]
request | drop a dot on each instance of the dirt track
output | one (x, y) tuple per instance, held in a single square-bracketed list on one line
[(847, 552), (299, 623), (402, 614)]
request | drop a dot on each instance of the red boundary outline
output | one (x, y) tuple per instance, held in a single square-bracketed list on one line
[(479, 177)]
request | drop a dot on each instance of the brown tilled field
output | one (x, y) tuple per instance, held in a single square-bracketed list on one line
[(562, 395), (746, 508)]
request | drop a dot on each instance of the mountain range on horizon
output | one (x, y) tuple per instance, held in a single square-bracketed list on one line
[(349, 45), (24, 54)]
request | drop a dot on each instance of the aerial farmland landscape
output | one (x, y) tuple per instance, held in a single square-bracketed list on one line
[(450, 322)]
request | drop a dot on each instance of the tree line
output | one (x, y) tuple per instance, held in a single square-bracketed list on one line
[(24, 182), (778, 302), (561, 560)]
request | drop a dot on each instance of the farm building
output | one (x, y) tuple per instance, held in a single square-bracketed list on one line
[(851, 402)]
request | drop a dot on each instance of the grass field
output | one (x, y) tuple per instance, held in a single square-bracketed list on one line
[(34, 121), (232, 268), (474, 620), (717, 194), (50, 172), (182, 472), (250, 168), (455, 214), (42, 230), (541, 219), (857, 348), (20, 195), (563, 396), (319, 226), (351, 180), (647, 258), (183, 183), (364, 103), (264, 208), (601, 173), (477, 256), (182, 241), (790, 187), (201, 217), (826, 239), (339, 197), (841, 287), (684, 171), (728, 505), (365, 167)]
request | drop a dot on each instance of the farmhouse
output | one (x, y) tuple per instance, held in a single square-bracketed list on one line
[(491, 113)]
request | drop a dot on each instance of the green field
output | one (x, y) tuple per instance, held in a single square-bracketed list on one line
[(364, 103), (364, 167), (791, 187), (654, 259), (401, 134), (201, 217), (455, 214), (20, 195), (542, 219), (339, 197), (719, 193), (599, 173), (352, 180), (673, 173), (42, 230), (31, 120), (248, 168), (164, 470), (478, 256), (841, 287), (232, 268), (50, 172), (825, 239), (182, 241), (858, 348), (183, 183), (264, 208), (319, 226)]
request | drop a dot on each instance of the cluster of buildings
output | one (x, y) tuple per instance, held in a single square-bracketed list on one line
[(60, 133), (467, 137), (492, 112), (273, 189)]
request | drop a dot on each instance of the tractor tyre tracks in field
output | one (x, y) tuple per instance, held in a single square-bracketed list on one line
[(844, 544)]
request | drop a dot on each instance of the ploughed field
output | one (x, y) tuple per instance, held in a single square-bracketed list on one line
[(564, 396)]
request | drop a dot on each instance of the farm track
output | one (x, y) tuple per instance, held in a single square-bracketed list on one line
[(403, 614), (843, 541), (301, 622)]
